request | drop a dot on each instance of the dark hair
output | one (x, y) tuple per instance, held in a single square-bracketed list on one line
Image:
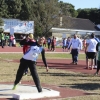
[(92, 35), (75, 34)]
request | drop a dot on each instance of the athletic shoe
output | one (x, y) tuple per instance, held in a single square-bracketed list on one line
[(14, 87), (75, 63), (95, 67), (25, 74), (72, 63), (20, 82), (95, 74)]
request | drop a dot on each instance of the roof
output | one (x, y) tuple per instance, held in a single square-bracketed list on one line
[(77, 23)]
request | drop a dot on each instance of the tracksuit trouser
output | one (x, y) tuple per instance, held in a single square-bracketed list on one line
[(32, 66), (2, 43), (98, 66), (48, 46), (95, 61), (74, 53)]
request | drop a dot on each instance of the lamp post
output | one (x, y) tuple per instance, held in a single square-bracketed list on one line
[(60, 15)]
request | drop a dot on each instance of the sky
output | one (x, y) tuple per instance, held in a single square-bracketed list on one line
[(83, 3)]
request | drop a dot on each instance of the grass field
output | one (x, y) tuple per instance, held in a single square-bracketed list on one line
[(48, 56), (66, 79)]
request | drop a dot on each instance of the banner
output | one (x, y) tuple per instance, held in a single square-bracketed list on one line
[(18, 26), (11, 31)]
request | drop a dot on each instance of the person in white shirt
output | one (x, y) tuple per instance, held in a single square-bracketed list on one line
[(81, 44), (91, 50), (14, 41), (76, 46)]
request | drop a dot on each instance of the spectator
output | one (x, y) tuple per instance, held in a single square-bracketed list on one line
[(44, 43), (11, 40), (68, 41), (95, 60), (49, 43), (76, 45), (84, 44), (84, 47), (2, 38), (6, 39), (53, 44), (91, 50), (98, 58), (14, 41), (64, 44)]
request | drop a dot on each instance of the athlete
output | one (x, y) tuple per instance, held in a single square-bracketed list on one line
[(29, 60)]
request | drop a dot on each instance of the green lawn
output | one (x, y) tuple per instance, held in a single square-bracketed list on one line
[(48, 56)]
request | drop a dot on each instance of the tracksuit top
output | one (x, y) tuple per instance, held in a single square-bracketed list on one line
[(98, 53), (98, 48), (34, 51)]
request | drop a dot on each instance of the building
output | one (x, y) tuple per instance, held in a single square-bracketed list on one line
[(69, 26)]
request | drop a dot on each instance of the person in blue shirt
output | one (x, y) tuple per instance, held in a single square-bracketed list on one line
[(95, 60), (64, 44), (29, 60), (98, 58)]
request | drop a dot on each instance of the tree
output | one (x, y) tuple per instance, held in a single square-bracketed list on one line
[(3, 9), (95, 15), (92, 14), (1, 24), (14, 8), (25, 13), (67, 9), (44, 12)]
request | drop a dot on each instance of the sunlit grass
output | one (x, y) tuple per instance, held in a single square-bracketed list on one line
[(48, 56)]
